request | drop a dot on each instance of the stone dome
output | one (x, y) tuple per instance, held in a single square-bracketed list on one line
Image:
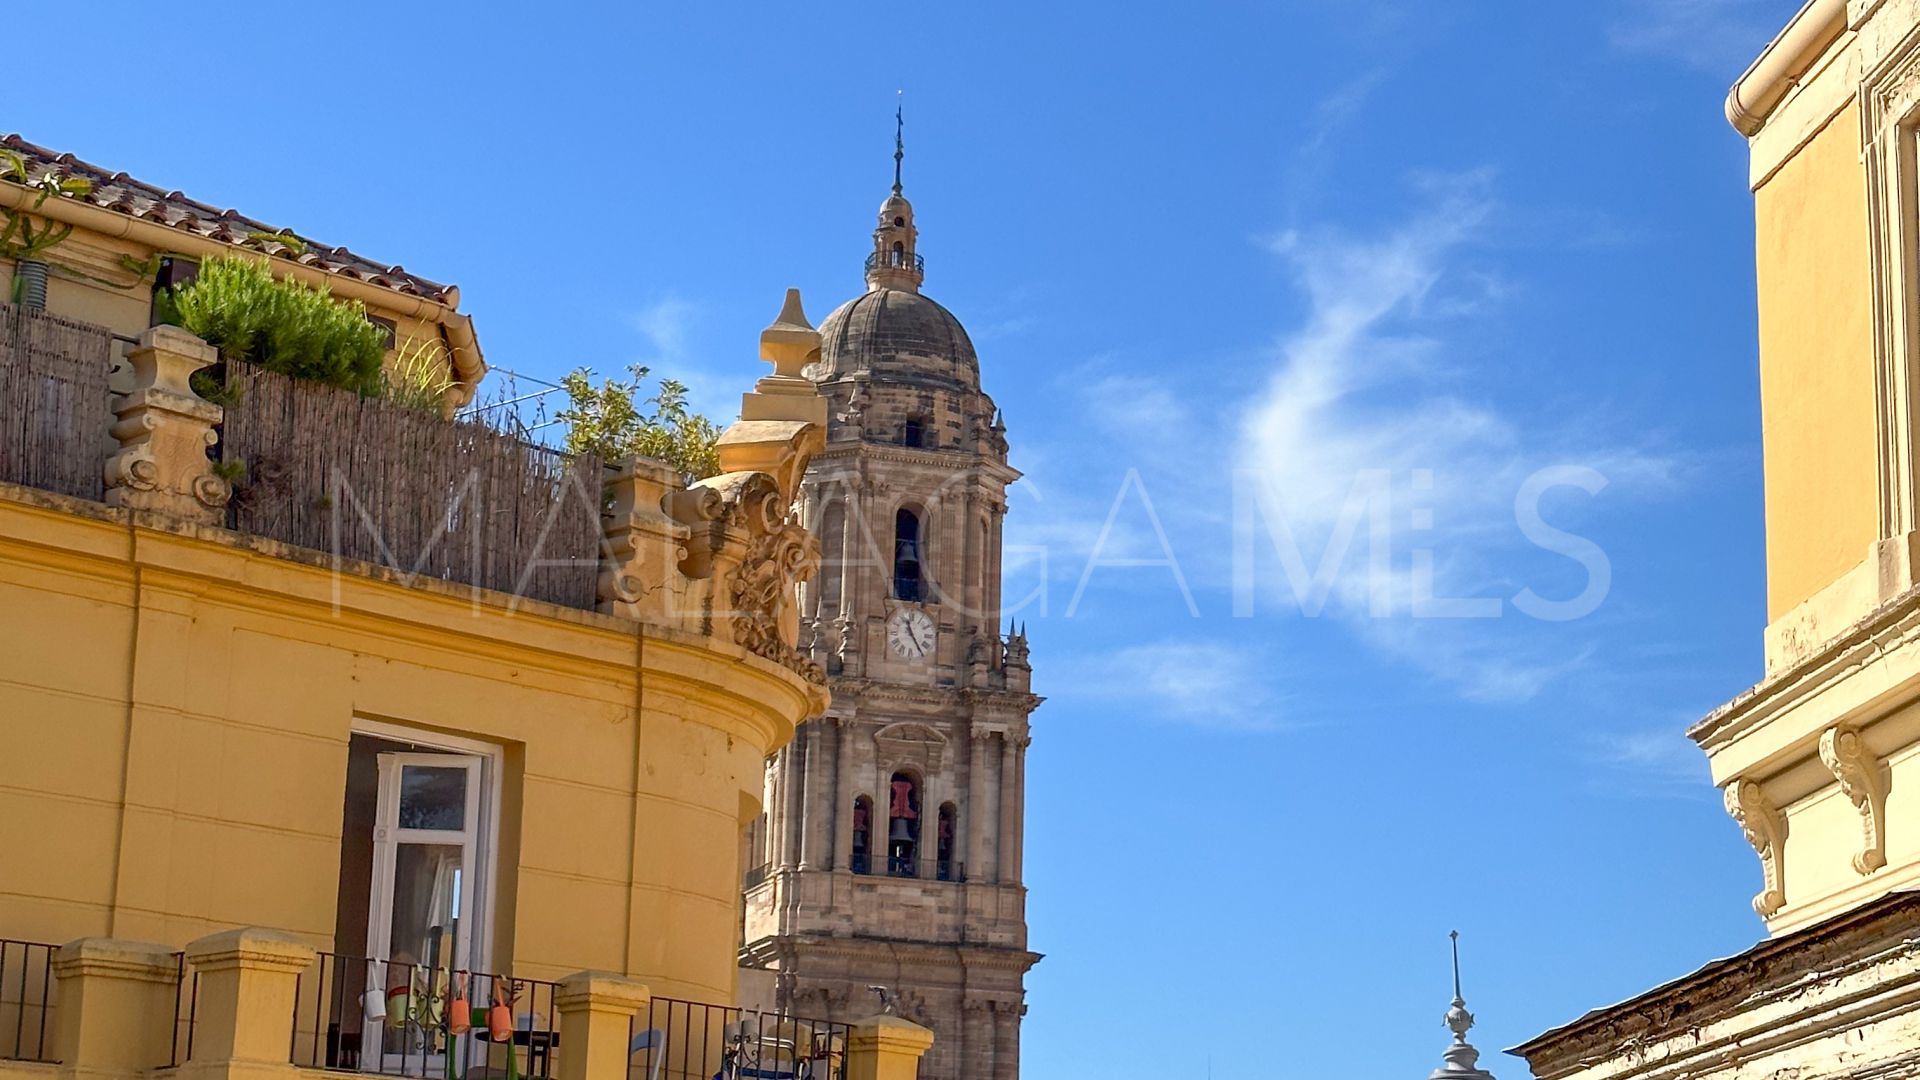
[(900, 337)]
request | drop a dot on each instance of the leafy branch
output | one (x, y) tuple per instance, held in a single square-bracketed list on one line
[(613, 422)]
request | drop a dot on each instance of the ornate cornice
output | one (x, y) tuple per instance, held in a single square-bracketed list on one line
[(862, 691), (895, 949), (1735, 1011), (843, 453), (1893, 626)]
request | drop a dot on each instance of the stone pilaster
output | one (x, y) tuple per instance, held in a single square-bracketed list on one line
[(978, 868), (1009, 803)]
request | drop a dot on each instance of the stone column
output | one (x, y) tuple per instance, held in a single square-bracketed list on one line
[(976, 1052), (114, 1007), (1020, 809), (990, 602), (1009, 804), (849, 546), (792, 780), (814, 852), (164, 430), (243, 1013), (976, 821), (1006, 1042), (886, 1048), (843, 794), (596, 1013)]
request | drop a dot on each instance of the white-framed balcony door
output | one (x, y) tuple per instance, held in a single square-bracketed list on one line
[(430, 875)]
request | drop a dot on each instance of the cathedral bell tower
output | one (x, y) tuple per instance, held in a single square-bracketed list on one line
[(890, 850)]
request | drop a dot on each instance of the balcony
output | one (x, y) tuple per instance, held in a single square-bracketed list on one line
[(896, 260), (378, 1018)]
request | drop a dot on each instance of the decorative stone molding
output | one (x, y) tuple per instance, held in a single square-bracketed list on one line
[(1845, 754), (643, 546), (164, 430), (725, 555), (1766, 829)]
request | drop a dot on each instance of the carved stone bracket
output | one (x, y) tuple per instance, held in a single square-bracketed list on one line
[(1846, 755), (1766, 829), (164, 430)]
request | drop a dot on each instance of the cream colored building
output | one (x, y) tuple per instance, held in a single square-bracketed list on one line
[(891, 850), (1820, 762)]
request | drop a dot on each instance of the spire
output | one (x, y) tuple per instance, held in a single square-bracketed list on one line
[(899, 136), (894, 264), (1460, 1059)]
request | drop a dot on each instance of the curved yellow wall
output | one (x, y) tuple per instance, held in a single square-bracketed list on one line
[(179, 704), (1816, 366)]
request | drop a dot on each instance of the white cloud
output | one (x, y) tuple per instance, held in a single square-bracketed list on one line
[(1655, 761), (1717, 36), (1367, 398), (1208, 684), (669, 327)]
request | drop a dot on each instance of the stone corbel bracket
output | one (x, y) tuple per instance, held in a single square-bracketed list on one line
[(1766, 829), (1845, 754), (746, 543), (164, 430)]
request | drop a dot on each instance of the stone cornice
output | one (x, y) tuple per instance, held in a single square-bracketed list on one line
[(945, 460), (1894, 626), (987, 701), (864, 947), (1849, 971)]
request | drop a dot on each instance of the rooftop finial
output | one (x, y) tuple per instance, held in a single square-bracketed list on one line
[(1461, 1060), (1454, 936), (899, 136)]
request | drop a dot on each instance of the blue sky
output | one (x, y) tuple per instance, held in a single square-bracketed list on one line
[(1209, 252)]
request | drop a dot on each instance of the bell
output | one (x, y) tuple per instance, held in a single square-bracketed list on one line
[(901, 829)]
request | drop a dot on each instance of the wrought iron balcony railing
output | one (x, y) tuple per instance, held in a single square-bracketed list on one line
[(897, 260)]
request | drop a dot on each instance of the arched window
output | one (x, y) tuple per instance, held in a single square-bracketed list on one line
[(862, 835), (907, 576), (903, 826), (913, 433), (947, 870), (899, 254)]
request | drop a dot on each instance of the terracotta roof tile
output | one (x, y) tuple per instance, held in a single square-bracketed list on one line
[(122, 194)]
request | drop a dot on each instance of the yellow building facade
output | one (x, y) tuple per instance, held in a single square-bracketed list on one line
[(1819, 763), (226, 753)]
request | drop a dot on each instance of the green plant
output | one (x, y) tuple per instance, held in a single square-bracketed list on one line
[(20, 238), (607, 420), (233, 472), (283, 326), (418, 376)]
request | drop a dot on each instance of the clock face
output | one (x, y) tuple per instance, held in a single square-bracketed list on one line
[(910, 634)]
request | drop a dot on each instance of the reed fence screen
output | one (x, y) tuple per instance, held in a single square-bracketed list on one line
[(368, 479), (55, 412)]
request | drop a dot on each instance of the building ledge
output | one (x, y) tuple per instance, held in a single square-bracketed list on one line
[(1777, 999)]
